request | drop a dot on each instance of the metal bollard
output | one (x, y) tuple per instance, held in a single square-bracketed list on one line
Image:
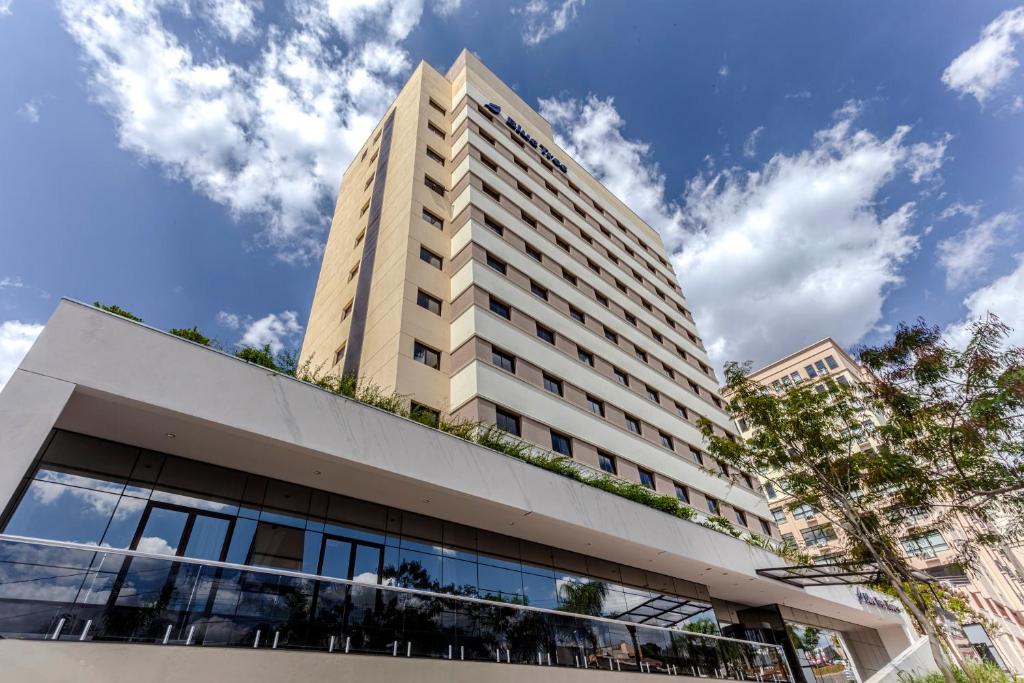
[(277, 634), (549, 658), (56, 631), (348, 640), (462, 652), (330, 645), (497, 655), (394, 649), (408, 648), (508, 656), (191, 632), (577, 661), (256, 643), (167, 634), (539, 661), (449, 651), (85, 631)]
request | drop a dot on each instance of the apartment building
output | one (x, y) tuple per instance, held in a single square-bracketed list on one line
[(474, 270), (995, 588), (171, 511)]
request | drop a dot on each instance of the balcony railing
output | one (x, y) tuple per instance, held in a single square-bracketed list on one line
[(67, 591)]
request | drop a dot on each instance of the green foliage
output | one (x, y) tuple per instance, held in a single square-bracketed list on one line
[(973, 672), (583, 598), (117, 310), (703, 625), (192, 334), (258, 355)]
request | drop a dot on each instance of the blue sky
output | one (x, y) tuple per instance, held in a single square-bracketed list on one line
[(816, 168)]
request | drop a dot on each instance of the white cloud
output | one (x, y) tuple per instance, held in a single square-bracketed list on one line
[(277, 330), (5, 8), (750, 146), (11, 283), (773, 259), (446, 8), (800, 95), (229, 320), (1001, 297), (235, 19), (543, 21), (961, 209), (723, 71), (268, 136), (16, 339), (967, 254), (986, 66), (30, 111)]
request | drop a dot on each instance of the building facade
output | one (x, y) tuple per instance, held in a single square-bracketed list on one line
[(171, 511), (994, 588), (477, 269)]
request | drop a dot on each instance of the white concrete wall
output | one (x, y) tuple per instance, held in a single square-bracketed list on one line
[(916, 660)]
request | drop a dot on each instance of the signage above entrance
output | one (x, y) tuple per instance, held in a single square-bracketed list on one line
[(532, 141)]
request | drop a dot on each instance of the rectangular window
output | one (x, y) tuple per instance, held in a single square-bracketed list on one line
[(818, 535), (819, 365), (339, 354), (489, 163), (424, 414), (621, 377), (435, 130), (804, 511), (521, 164), (534, 254), (748, 481), (494, 225), (524, 189), (602, 299), (507, 421), (713, 507), (682, 495), (789, 540), (668, 371), (577, 315), (430, 258), (500, 308), (596, 405), (831, 362), (593, 266), (490, 140), (434, 156), (538, 291), (652, 395), (611, 336), (553, 385), (368, 181), (544, 334), (491, 192), (421, 353), (633, 424), (741, 517), (562, 244), (766, 528), (352, 273), (697, 456), (366, 207), (682, 412), (503, 360), (666, 440), (723, 468), (769, 490), (497, 264), (631, 319), (646, 478), (607, 462), (657, 336), (811, 372), (437, 107), (585, 357), (431, 303), (642, 355), (359, 239), (434, 186), (347, 311), (557, 216), (561, 444), (926, 545)]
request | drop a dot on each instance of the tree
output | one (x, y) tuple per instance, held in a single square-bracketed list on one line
[(285, 361), (117, 310), (192, 334), (806, 443)]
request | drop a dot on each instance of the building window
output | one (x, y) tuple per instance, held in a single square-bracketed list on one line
[(528, 219), (421, 353), (596, 405), (633, 424), (602, 299), (682, 494), (435, 130), (569, 277), (352, 273), (489, 163), (681, 411), (631, 319), (561, 444), (741, 517), (505, 361), (811, 372), (534, 254), (436, 106), (433, 185), (500, 308), (347, 311), (818, 535), (339, 354), (697, 456), (666, 440), (491, 192), (831, 362), (433, 219), (424, 414), (434, 156), (766, 528), (430, 258), (646, 478), (366, 207), (359, 239), (507, 421), (713, 507), (545, 334), (803, 512), (538, 290), (611, 336), (742, 424), (819, 365), (524, 189), (577, 315), (769, 490), (641, 354), (621, 377), (789, 540), (497, 264), (925, 545), (585, 357), (723, 468), (652, 395), (494, 225), (431, 303), (553, 385), (607, 462)]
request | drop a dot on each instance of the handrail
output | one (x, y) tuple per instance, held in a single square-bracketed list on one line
[(330, 579)]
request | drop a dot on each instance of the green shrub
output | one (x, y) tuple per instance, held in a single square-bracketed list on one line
[(260, 356), (117, 310), (192, 334)]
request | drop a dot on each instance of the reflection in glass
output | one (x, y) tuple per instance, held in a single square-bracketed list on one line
[(206, 539), (67, 513), (277, 546), (337, 558), (163, 531)]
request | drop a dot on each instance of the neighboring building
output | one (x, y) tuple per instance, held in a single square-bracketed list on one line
[(468, 271), (159, 492), (995, 588)]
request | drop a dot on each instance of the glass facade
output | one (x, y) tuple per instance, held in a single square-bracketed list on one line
[(91, 491)]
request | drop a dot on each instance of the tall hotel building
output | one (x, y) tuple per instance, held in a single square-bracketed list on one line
[(172, 512)]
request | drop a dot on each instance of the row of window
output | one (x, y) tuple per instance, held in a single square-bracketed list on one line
[(668, 277), (504, 310), (819, 367)]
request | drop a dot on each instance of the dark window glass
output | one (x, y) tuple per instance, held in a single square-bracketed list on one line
[(647, 478), (741, 517), (713, 506), (434, 186), (607, 462), (431, 303), (507, 421), (766, 528), (577, 315), (276, 545), (666, 440), (430, 257), (501, 308), (491, 192), (811, 372), (534, 253), (596, 405), (433, 219), (621, 377), (560, 443), (553, 385), (633, 424), (505, 361), (682, 494), (681, 411), (642, 355), (602, 299), (422, 353), (497, 264), (631, 319), (539, 291), (424, 414), (652, 395), (494, 225), (611, 336), (697, 455), (569, 277), (831, 362), (545, 334), (585, 357), (435, 156)]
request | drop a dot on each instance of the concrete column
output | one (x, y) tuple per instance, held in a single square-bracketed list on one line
[(30, 405)]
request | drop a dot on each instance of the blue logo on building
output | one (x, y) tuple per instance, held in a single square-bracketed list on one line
[(532, 141)]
